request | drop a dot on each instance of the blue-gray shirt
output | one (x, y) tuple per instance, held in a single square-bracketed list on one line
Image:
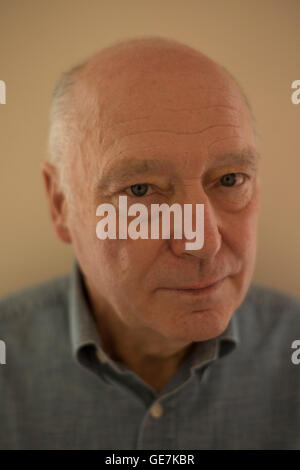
[(59, 390)]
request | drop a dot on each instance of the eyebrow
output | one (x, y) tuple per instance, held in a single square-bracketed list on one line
[(128, 168), (125, 169), (246, 157)]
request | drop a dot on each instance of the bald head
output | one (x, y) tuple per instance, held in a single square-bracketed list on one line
[(139, 73)]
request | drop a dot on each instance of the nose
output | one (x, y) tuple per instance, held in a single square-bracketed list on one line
[(212, 238)]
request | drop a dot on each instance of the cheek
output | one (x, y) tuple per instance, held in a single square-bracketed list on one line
[(249, 228), (243, 233), (124, 259), (129, 259)]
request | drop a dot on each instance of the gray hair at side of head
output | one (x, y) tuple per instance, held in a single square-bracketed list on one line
[(62, 126)]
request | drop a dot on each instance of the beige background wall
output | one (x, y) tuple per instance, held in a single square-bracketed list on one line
[(257, 40)]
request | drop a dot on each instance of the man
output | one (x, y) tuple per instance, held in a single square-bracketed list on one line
[(150, 345)]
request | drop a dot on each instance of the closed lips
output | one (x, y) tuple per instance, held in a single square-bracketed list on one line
[(199, 286)]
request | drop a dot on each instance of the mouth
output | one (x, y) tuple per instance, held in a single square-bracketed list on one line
[(197, 289)]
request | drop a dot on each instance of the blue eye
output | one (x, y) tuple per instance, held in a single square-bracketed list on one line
[(139, 189), (229, 179)]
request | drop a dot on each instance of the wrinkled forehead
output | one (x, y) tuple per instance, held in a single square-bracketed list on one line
[(188, 105), (132, 97), (124, 100)]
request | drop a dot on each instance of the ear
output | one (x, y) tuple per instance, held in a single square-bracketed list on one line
[(57, 202)]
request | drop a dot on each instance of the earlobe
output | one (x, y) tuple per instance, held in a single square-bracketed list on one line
[(57, 202)]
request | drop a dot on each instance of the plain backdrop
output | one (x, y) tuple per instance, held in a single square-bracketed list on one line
[(257, 40)]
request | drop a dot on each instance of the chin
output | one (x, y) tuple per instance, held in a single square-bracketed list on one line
[(201, 326)]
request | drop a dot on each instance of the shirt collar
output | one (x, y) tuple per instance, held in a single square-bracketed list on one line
[(84, 331), (210, 350), (83, 326)]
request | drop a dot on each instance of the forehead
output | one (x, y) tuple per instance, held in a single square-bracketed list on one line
[(188, 111), (126, 96), (180, 117), (178, 134)]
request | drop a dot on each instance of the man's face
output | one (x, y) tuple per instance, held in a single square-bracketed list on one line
[(197, 130)]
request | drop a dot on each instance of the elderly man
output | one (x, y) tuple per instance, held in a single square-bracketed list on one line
[(150, 344)]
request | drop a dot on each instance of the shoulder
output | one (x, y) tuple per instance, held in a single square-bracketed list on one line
[(275, 302), (269, 314), (48, 296), (33, 323)]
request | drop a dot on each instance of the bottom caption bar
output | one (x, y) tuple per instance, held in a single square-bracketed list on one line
[(150, 458)]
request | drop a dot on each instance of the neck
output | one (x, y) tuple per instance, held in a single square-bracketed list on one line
[(142, 350)]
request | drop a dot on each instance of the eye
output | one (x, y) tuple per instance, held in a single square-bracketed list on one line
[(139, 189), (230, 179)]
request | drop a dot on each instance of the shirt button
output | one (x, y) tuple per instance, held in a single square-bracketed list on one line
[(101, 356), (156, 410)]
